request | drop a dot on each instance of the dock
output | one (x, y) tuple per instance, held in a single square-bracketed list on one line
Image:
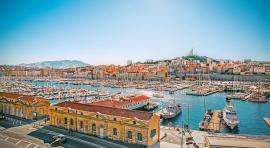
[(212, 122), (267, 121)]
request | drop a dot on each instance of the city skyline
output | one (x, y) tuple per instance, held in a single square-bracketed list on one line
[(112, 32)]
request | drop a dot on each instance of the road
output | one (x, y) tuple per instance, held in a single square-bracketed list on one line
[(40, 136), (6, 144)]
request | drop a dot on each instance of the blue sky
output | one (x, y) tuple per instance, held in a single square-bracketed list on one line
[(114, 31)]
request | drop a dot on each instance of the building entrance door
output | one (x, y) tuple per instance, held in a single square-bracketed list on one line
[(34, 116), (101, 132)]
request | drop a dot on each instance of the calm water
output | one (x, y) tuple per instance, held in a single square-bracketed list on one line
[(251, 114)]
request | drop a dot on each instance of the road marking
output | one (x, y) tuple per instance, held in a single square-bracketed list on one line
[(18, 142), (33, 145), (13, 140), (2, 136), (28, 145), (23, 143)]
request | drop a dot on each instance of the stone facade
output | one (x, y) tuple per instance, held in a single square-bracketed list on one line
[(24, 106), (129, 126)]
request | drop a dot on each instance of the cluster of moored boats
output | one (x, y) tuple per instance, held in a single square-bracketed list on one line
[(51, 92), (213, 119)]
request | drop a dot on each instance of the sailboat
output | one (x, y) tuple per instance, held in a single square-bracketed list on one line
[(230, 116)]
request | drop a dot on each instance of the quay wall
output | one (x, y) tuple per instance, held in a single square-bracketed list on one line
[(229, 77)]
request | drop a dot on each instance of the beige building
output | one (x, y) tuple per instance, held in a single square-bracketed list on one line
[(24, 106), (129, 126)]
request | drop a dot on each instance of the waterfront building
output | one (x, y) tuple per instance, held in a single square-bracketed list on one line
[(23, 106), (125, 102), (129, 126)]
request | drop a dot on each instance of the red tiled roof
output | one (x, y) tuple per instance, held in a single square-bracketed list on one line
[(120, 104), (27, 98), (139, 98), (111, 103), (107, 110)]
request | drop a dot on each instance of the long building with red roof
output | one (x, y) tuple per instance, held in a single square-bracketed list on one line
[(131, 126), (24, 106)]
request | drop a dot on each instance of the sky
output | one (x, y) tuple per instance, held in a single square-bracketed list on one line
[(114, 31)]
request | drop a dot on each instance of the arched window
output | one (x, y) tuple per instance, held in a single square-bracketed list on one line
[(94, 127), (153, 133), (81, 124), (129, 135), (115, 131), (65, 122), (139, 137), (71, 121)]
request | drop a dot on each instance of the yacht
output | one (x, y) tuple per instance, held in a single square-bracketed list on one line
[(171, 111), (151, 106), (230, 116), (158, 95)]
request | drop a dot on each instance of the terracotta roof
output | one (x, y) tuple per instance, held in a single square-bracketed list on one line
[(27, 98), (120, 104), (111, 103), (107, 110), (139, 98)]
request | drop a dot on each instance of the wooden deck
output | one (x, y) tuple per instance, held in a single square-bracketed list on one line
[(215, 123)]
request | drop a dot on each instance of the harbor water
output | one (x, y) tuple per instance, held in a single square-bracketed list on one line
[(251, 114)]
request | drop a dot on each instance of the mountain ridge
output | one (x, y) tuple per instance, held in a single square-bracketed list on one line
[(56, 64)]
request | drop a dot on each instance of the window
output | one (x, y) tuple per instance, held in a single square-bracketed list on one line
[(153, 133), (93, 127), (65, 122), (97, 116), (134, 122), (81, 124), (82, 113), (129, 135), (114, 119), (71, 121), (55, 109), (114, 131), (139, 137)]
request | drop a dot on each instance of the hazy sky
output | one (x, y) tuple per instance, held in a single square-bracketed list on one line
[(114, 31)]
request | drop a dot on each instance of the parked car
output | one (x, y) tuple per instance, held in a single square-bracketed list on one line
[(2, 117), (59, 138)]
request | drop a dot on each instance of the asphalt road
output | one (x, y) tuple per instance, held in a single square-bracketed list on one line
[(5, 144), (74, 139)]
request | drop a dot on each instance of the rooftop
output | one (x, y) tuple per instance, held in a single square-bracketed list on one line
[(120, 103), (107, 110), (27, 98)]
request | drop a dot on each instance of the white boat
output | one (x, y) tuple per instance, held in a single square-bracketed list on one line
[(171, 111), (151, 106), (230, 116), (158, 95)]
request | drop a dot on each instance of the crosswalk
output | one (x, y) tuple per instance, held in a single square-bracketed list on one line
[(19, 142)]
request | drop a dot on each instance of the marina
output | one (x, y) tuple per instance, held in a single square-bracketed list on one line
[(251, 114)]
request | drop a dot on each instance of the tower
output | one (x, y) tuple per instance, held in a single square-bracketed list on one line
[(190, 52)]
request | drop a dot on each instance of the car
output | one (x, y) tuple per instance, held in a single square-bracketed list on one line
[(59, 138), (2, 117)]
